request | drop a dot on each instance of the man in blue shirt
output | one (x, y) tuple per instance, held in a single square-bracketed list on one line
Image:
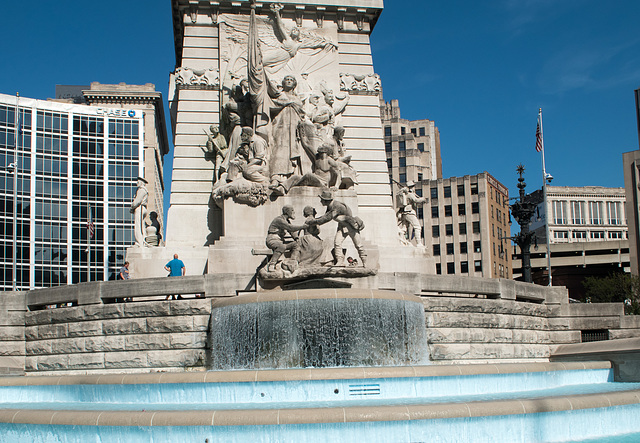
[(175, 267)]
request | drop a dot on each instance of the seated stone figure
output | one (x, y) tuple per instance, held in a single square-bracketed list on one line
[(326, 174)]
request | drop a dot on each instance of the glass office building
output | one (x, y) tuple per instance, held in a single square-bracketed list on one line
[(75, 164)]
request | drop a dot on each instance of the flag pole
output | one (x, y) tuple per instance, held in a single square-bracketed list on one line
[(544, 197)]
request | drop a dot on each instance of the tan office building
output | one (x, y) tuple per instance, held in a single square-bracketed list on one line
[(466, 225)]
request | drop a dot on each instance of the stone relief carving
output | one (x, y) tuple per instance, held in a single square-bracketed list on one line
[(296, 123), (360, 83), (197, 78)]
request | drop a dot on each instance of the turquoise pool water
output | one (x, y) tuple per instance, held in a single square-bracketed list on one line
[(617, 423), (311, 393)]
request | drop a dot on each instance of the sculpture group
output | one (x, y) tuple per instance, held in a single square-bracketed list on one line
[(277, 130), (306, 250)]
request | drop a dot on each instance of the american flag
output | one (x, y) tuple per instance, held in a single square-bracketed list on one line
[(539, 142), (91, 229)]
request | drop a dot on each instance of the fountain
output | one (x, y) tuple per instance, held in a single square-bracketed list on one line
[(336, 330)]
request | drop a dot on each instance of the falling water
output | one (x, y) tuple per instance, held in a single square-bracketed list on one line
[(317, 333)]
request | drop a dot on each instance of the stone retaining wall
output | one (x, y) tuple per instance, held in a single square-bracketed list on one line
[(123, 337), (468, 320)]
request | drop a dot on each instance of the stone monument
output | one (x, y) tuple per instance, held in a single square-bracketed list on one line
[(290, 91)]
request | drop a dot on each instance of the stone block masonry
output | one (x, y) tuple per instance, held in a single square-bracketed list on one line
[(468, 320)]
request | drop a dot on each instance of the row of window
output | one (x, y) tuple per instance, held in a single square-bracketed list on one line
[(403, 130), (575, 212), (448, 210), (464, 267), (446, 191), (448, 229), (596, 235), (463, 248)]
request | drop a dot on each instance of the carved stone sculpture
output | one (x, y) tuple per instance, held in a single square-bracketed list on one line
[(348, 226), (311, 245), (407, 219), (246, 180), (276, 240), (216, 149), (139, 211), (154, 235), (191, 78)]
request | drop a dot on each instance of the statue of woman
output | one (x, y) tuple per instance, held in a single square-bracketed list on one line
[(287, 112)]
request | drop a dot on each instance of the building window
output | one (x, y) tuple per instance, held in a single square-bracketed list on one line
[(448, 229), (614, 213), (447, 191), (387, 146), (402, 145), (389, 163), (577, 212), (461, 190), (464, 267), (438, 268), (422, 132), (461, 209), (419, 176), (421, 147), (474, 189), (434, 211), (448, 211), (435, 231), (403, 162), (434, 193), (413, 131), (476, 246), (560, 212), (419, 192), (387, 131), (477, 265), (463, 247), (451, 268), (449, 248), (615, 235), (475, 208), (597, 234), (436, 250), (579, 235), (462, 228), (403, 130), (476, 227), (560, 234), (402, 177), (596, 210)]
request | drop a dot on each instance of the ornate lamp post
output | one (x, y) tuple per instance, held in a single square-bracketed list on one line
[(522, 210)]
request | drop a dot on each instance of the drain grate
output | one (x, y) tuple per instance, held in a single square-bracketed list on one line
[(368, 389)]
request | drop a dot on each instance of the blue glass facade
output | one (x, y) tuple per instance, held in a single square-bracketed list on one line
[(72, 160)]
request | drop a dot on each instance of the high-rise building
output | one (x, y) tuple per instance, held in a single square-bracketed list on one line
[(412, 146), (466, 225), (75, 166)]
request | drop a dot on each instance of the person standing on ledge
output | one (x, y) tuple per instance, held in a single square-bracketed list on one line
[(124, 272), (176, 269)]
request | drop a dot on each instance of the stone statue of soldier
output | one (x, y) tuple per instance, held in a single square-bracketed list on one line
[(139, 209), (407, 217)]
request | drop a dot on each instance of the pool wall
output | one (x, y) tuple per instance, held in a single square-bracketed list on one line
[(468, 320)]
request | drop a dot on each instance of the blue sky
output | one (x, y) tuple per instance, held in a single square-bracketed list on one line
[(479, 69)]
